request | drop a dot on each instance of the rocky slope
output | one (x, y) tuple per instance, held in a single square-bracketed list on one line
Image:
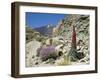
[(81, 23)]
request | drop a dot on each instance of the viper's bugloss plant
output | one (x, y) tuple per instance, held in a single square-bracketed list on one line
[(73, 51)]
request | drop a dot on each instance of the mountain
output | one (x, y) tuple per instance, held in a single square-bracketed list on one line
[(65, 29), (45, 30), (80, 21)]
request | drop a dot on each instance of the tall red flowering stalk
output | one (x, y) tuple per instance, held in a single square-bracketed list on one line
[(73, 44), (73, 51)]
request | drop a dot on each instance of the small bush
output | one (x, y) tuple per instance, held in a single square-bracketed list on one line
[(48, 52)]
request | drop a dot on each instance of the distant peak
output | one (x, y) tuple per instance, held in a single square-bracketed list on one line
[(48, 26)]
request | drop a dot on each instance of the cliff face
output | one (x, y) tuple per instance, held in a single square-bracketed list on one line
[(81, 23)]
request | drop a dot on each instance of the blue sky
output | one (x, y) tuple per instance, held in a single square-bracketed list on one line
[(41, 19)]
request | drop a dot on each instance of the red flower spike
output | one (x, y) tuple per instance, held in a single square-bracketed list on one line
[(73, 44)]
